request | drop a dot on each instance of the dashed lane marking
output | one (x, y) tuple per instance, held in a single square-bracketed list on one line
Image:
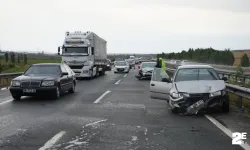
[(118, 82), (125, 75), (101, 97), (6, 102), (52, 141), (225, 130)]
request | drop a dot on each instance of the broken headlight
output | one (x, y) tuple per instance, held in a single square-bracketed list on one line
[(179, 95), (218, 93)]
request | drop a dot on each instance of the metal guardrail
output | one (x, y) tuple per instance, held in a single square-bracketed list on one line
[(5, 78), (241, 92)]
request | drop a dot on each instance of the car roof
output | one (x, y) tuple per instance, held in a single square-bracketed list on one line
[(194, 66), (48, 64)]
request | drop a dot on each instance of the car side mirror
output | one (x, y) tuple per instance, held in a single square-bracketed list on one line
[(166, 80), (65, 73), (224, 78)]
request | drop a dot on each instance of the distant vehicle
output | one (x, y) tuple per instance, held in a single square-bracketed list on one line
[(85, 53), (131, 63), (44, 79), (145, 71), (193, 89), (121, 66), (108, 68)]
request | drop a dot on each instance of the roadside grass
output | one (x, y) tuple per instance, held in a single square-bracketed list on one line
[(234, 100)]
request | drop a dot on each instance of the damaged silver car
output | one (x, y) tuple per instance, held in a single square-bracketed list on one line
[(193, 89)]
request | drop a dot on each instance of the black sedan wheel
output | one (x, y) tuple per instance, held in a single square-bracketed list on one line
[(72, 90), (16, 97), (57, 93)]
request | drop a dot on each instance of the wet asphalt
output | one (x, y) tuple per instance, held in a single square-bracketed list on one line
[(124, 119)]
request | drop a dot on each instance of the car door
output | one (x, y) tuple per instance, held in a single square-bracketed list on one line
[(158, 88), (64, 79)]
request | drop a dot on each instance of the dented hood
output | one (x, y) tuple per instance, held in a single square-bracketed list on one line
[(200, 86), (146, 69)]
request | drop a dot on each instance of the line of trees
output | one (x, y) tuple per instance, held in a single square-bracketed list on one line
[(10, 59), (203, 55)]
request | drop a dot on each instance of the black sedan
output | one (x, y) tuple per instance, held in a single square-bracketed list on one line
[(44, 79)]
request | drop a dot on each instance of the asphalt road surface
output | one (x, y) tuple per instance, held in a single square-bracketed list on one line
[(111, 112)]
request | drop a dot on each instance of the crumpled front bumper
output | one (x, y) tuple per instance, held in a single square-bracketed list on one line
[(186, 104), (147, 74)]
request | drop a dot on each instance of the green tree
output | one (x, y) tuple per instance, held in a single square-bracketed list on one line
[(6, 57), (18, 58), (12, 57), (25, 59), (244, 61)]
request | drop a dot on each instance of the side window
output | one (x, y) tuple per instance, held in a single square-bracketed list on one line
[(63, 69), (158, 74)]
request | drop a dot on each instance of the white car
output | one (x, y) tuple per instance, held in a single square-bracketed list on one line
[(121, 66), (193, 89)]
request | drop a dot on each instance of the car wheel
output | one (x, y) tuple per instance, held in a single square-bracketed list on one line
[(225, 106), (174, 110), (91, 75), (57, 93), (16, 97), (72, 90)]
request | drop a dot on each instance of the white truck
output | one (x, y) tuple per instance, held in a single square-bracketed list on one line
[(85, 53)]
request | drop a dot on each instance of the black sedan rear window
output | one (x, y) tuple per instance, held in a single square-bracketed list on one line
[(43, 69)]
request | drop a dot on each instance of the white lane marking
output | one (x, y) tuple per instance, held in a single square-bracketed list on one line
[(225, 130), (90, 124), (6, 102), (118, 82), (101, 97), (52, 141), (125, 75)]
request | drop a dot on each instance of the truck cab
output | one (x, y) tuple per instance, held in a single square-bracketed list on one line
[(78, 52)]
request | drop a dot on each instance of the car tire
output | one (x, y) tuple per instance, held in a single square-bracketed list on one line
[(57, 93), (16, 97), (225, 107), (72, 90), (174, 110)]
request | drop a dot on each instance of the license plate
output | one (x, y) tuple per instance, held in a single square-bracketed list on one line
[(77, 74), (29, 90), (197, 104)]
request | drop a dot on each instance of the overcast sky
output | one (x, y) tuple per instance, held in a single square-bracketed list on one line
[(129, 26)]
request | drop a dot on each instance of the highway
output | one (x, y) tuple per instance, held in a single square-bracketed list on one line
[(111, 112)]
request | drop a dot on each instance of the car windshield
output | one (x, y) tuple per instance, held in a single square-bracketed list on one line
[(43, 69), (148, 65), (190, 74), (121, 64)]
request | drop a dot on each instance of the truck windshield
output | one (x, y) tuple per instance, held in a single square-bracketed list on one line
[(83, 50)]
